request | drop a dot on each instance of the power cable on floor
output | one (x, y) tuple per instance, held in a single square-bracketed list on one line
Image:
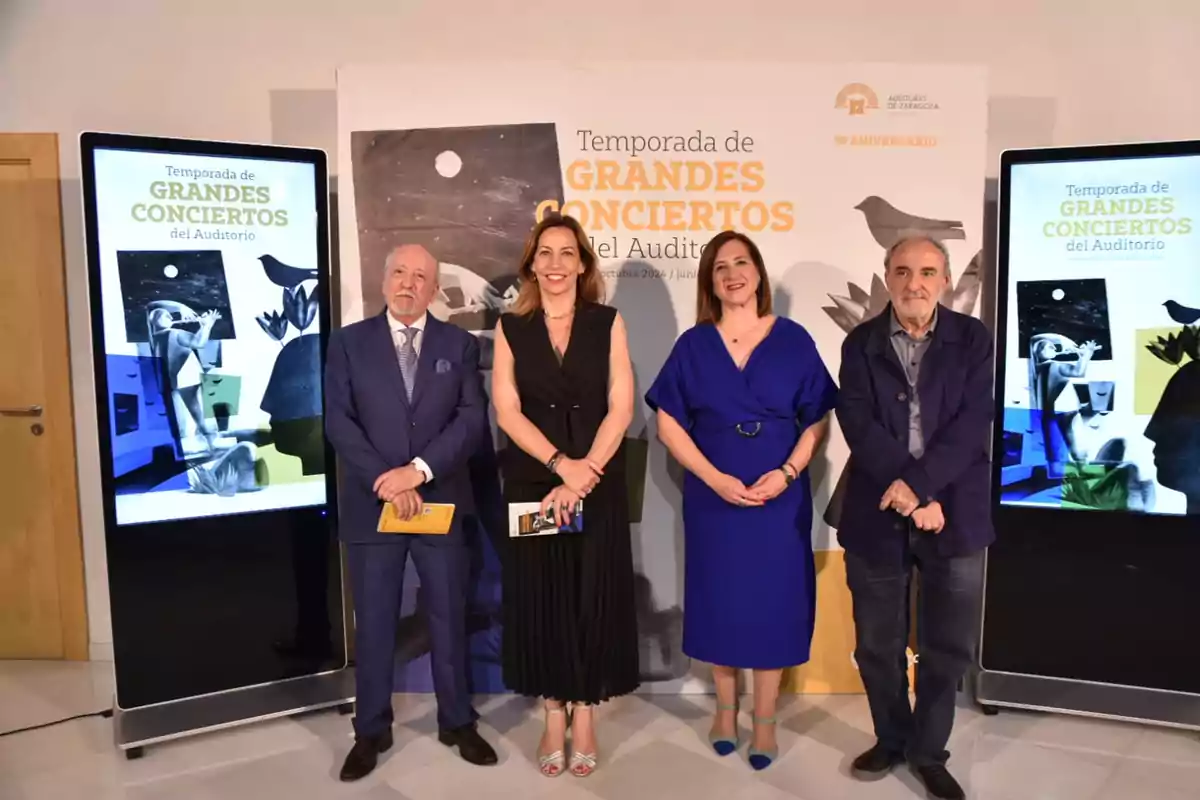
[(105, 713)]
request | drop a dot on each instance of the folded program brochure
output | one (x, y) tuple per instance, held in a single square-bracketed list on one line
[(526, 519), (435, 518)]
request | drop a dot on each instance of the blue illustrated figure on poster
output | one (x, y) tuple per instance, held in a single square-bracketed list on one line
[(1053, 361), (177, 353), (177, 312)]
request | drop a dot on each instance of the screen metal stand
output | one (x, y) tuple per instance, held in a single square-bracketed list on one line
[(1080, 698), (137, 728)]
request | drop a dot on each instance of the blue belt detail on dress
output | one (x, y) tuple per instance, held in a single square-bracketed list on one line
[(751, 427), (748, 428)]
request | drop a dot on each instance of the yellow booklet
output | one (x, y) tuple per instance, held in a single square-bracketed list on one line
[(435, 519)]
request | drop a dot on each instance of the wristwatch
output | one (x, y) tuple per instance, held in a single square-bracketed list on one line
[(789, 474), (554, 459)]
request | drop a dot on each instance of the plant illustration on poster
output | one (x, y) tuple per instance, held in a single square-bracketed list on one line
[(213, 359), (830, 177)]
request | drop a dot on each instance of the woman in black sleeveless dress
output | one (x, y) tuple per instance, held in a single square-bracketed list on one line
[(563, 391)]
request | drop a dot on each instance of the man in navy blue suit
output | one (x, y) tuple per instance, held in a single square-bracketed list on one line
[(405, 411), (915, 405)]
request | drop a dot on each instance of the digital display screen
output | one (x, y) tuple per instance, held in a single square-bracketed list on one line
[(208, 272), (1101, 336)]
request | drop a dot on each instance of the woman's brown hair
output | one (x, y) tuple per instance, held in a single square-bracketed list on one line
[(589, 287), (708, 305)]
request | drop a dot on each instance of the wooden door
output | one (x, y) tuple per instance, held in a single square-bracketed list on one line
[(42, 601)]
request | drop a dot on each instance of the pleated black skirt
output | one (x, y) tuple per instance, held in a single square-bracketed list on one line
[(570, 623)]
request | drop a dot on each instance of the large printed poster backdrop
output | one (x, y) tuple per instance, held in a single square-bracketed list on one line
[(822, 165), (208, 286)]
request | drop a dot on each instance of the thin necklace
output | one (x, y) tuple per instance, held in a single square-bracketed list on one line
[(557, 316), (734, 339)]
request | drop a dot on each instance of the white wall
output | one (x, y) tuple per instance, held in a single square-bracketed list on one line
[(1062, 72)]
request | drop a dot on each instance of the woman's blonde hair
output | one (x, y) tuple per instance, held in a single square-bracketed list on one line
[(589, 285)]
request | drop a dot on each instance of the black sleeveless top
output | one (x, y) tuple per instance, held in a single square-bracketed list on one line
[(567, 401)]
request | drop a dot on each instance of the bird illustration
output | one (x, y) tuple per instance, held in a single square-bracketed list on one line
[(283, 275), (888, 223), (1182, 314)]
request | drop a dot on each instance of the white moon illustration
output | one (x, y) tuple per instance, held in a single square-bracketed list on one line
[(1058, 294), (447, 163), (171, 271)]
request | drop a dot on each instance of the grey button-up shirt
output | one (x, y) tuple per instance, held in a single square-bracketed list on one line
[(910, 351)]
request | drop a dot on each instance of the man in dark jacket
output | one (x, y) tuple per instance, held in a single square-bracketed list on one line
[(405, 410), (915, 405)]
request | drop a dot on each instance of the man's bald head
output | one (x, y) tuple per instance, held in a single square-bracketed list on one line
[(410, 280), (411, 253)]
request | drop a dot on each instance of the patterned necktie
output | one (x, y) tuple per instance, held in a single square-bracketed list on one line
[(408, 358)]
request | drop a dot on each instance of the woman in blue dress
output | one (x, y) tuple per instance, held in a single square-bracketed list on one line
[(742, 403)]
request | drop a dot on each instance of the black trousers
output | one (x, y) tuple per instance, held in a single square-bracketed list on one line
[(948, 605)]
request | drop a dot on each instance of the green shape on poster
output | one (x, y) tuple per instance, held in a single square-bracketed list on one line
[(279, 467), (1096, 487), (262, 472), (221, 392)]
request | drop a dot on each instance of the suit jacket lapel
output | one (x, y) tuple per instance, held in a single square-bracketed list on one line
[(426, 361), (880, 343), (386, 347)]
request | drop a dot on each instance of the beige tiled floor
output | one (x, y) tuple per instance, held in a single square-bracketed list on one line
[(652, 747)]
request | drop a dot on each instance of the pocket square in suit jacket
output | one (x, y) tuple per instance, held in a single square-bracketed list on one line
[(441, 366)]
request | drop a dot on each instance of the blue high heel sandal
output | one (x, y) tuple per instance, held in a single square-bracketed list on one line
[(761, 759), (721, 745)]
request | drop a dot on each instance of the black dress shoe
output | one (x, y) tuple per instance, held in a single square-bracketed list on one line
[(364, 756), (471, 746), (940, 783), (876, 763)]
